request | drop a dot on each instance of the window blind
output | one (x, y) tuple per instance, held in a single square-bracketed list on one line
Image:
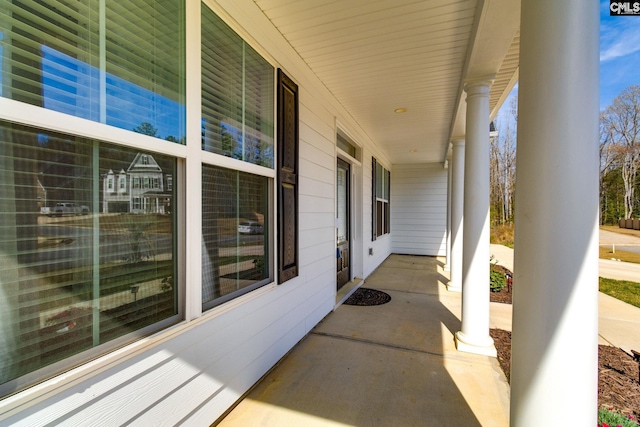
[(119, 63), (235, 229), (237, 95)]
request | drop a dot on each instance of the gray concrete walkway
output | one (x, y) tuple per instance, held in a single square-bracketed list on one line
[(388, 365), (396, 364)]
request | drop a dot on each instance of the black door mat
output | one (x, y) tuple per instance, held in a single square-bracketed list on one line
[(368, 297)]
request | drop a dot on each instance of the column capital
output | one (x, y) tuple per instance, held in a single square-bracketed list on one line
[(457, 142), (479, 85)]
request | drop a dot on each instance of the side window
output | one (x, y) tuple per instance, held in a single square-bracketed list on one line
[(237, 123), (380, 200)]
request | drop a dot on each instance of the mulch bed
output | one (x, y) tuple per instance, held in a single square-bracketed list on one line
[(618, 385), (503, 296)]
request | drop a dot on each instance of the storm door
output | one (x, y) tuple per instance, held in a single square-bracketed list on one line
[(342, 223)]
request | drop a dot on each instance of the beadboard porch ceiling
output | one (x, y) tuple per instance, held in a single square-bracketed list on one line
[(377, 56)]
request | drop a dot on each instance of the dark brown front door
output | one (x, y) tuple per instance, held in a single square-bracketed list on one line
[(342, 223)]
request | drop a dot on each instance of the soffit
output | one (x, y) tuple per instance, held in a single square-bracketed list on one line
[(376, 56)]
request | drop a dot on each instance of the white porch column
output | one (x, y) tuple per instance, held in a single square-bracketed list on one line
[(447, 266), (457, 206), (474, 334), (554, 369)]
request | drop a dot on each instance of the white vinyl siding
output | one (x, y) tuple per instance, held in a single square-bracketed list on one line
[(419, 209)]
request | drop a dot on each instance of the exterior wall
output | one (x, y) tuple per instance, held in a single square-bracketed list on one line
[(193, 372), (419, 209)]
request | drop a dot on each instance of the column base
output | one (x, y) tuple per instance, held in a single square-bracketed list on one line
[(486, 347)]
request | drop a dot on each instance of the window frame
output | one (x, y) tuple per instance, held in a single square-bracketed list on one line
[(82, 359), (380, 203), (209, 158)]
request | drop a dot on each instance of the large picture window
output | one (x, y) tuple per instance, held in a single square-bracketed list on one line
[(83, 268), (237, 95), (119, 63), (235, 231), (381, 179)]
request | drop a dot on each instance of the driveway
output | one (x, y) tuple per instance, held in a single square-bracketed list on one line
[(612, 269), (623, 241), (609, 269)]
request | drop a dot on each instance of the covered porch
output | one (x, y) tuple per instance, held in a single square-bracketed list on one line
[(394, 364), (400, 74), (413, 87)]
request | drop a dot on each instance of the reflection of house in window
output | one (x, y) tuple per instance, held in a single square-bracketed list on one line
[(122, 181), (140, 188)]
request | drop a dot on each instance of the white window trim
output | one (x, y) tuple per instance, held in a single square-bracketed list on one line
[(31, 115)]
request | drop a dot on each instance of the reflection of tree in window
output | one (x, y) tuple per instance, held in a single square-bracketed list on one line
[(146, 128), (237, 104)]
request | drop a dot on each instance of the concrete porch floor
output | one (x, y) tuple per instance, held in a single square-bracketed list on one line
[(389, 365)]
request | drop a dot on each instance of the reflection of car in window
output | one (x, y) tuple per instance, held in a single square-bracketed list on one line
[(250, 227), (69, 209)]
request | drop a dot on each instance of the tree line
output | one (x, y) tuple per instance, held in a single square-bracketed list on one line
[(502, 164), (620, 157), (619, 160)]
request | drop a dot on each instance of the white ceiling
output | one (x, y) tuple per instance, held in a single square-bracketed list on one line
[(379, 55)]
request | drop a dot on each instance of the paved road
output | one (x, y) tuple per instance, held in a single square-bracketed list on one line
[(622, 241), (618, 322), (609, 269), (615, 269)]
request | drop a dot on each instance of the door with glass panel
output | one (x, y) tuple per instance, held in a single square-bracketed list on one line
[(342, 223)]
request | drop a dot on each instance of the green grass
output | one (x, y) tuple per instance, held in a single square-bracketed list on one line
[(623, 290), (606, 252), (502, 235)]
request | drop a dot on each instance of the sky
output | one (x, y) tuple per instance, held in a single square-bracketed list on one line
[(619, 56)]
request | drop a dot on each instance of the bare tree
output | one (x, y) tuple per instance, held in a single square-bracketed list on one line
[(620, 141), (503, 163)]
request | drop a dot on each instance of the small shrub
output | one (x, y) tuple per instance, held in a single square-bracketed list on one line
[(497, 280), (611, 418)]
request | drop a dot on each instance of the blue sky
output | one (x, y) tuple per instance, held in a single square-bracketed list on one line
[(619, 53), (619, 56)]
